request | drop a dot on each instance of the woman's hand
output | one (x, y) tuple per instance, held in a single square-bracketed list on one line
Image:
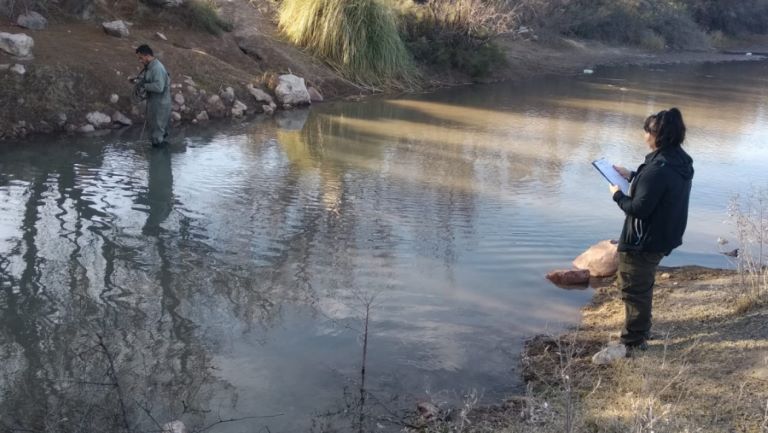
[(613, 189), (623, 171)]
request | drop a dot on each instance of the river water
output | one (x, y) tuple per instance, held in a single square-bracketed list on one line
[(230, 275)]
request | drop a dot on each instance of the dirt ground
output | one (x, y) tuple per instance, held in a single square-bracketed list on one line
[(706, 372)]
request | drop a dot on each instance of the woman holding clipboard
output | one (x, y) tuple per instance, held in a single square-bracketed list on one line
[(656, 212)]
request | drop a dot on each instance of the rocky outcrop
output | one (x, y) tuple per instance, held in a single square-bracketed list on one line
[(16, 44), (117, 28), (602, 259), (292, 90), (32, 20)]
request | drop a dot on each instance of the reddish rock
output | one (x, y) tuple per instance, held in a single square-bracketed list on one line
[(569, 277), (601, 259)]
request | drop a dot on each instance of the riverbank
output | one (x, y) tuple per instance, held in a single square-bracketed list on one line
[(76, 69), (707, 371)]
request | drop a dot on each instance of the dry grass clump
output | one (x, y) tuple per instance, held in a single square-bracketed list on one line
[(358, 37), (749, 215), (458, 34)]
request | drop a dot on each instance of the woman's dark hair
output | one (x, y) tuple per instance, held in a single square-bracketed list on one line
[(144, 50), (667, 126)]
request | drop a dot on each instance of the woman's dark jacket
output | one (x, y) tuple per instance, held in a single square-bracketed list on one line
[(657, 208)]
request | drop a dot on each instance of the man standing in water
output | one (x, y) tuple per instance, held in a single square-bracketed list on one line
[(154, 85)]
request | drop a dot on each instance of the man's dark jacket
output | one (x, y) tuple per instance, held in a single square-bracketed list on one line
[(657, 209)]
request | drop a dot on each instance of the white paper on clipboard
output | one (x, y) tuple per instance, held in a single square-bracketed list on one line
[(606, 169)]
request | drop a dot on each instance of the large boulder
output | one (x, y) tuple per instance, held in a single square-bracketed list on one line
[(569, 277), (117, 28), (602, 259), (32, 20), (292, 90), (16, 44)]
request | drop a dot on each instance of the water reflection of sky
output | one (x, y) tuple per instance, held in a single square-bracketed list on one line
[(237, 259)]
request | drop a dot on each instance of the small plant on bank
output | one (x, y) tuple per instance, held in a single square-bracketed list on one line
[(358, 37), (749, 214), (203, 15)]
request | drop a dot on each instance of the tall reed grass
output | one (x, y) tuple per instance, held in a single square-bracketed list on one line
[(358, 37)]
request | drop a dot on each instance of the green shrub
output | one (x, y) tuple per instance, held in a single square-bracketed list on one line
[(457, 34), (648, 23), (733, 17), (202, 15), (358, 37)]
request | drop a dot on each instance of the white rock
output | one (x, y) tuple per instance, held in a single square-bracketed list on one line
[(161, 36), (98, 119), (116, 28), (228, 94), (19, 69), (315, 95), (176, 116), (16, 44), (602, 259), (174, 427), (292, 90), (189, 81), (202, 116), (268, 110), (259, 95), (179, 99), (61, 119), (239, 109), (610, 354), (113, 98), (589, 71), (32, 20), (86, 128), (121, 119), (215, 106)]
